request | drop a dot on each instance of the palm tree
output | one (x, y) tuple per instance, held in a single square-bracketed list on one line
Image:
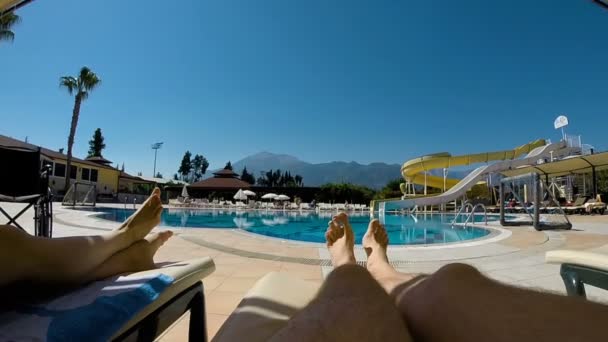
[(6, 23), (81, 86)]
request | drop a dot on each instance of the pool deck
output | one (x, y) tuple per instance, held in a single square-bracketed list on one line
[(514, 255)]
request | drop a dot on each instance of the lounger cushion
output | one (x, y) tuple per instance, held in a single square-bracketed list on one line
[(592, 260), (267, 307), (184, 273)]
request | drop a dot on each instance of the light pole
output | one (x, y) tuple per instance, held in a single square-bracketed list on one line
[(155, 147)]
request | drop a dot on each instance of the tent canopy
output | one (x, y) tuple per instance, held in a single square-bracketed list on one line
[(568, 166)]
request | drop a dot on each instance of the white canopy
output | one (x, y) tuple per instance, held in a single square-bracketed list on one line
[(249, 193), (185, 192), (269, 196), (282, 198), (240, 195)]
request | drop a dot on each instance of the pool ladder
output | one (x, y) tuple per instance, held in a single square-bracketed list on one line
[(467, 205)]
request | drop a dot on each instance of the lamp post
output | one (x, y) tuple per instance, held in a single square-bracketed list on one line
[(156, 147)]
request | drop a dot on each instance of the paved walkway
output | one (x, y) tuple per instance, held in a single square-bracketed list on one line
[(514, 256)]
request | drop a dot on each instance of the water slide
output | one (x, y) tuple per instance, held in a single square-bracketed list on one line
[(506, 160), (414, 170)]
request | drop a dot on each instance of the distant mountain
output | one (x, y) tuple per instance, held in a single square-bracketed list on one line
[(374, 175)]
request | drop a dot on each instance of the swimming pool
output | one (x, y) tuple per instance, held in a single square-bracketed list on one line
[(311, 227)]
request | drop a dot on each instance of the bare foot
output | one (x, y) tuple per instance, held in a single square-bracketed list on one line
[(140, 256), (375, 243), (145, 218), (340, 241)]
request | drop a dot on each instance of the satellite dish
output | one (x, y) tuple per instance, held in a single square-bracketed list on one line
[(560, 122)]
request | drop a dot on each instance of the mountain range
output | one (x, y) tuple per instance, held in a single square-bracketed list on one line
[(374, 175)]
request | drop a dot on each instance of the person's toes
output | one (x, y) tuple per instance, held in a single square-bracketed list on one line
[(156, 191)]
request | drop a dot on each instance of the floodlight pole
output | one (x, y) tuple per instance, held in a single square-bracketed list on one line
[(156, 147)]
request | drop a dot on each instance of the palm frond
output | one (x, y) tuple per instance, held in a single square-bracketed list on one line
[(8, 20), (68, 82), (88, 80), (7, 35)]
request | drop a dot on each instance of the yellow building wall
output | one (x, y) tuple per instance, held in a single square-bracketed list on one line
[(107, 180)]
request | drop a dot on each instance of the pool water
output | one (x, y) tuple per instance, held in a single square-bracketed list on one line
[(311, 227)]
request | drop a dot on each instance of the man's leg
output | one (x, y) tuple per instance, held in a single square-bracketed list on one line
[(350, 306), (458, 303)]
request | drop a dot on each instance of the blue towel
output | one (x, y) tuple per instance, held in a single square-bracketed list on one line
[(93, 313)]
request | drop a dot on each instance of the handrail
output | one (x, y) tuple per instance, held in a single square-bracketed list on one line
[(472, 214), (465, 205)]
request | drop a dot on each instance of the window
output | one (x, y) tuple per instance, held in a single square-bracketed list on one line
[(59, 170), (85, 174), (93, 175), (73, 171)]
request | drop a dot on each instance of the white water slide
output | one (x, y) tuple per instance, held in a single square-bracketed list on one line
[(478, 174)]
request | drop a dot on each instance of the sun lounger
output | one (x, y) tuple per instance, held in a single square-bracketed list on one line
[(134, 307), (578, 207), (266, 308), (580, 268)]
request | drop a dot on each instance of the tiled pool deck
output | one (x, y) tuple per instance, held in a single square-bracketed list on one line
[(515, 256)]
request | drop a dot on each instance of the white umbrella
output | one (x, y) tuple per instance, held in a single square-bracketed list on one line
[(249, 193), (269, 196), (282, 198), (185, 192), (240, 195)]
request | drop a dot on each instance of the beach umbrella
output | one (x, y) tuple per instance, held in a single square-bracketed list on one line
[(185, 192), (240, 195), (249, 193), (282, 198), (269, 196)]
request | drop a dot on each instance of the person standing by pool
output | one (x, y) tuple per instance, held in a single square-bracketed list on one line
[(456, 303)]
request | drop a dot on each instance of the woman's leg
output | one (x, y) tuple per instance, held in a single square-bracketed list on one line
[(67, 260), (137, 257), (350, 306)]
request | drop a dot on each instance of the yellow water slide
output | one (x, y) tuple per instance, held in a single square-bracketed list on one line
[(415, 171)]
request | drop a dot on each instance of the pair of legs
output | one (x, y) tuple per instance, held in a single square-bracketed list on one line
[(456, 303), (77, 260)]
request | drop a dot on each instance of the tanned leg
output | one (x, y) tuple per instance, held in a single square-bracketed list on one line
[(24, 257), (350, 306)]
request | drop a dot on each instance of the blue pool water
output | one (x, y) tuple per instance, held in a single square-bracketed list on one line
[(311, 227)]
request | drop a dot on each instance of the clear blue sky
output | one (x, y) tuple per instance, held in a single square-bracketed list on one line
[(322, 80)]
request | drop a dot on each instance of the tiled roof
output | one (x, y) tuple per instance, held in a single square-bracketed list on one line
[(221, 183), (10, 142)]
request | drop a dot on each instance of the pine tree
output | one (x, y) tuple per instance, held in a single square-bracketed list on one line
[(96, 144), (247, 177), (186, 165)]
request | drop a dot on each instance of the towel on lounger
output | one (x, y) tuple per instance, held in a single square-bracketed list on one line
[(93, 313)]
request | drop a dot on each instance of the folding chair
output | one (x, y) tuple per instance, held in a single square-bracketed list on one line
[(23, 180)]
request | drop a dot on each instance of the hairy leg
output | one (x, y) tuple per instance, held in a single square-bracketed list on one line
[(67, 260), (375, 243), (489, 310), (350, 306), (459, 296)]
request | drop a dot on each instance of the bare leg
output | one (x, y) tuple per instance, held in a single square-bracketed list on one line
[(138, 257), (350, 306), (67, 260), (459, 297), (375, 243)]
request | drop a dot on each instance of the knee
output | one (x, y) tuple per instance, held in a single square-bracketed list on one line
[(456, 272)]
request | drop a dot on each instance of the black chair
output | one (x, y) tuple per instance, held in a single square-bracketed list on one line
[(22, 179)]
